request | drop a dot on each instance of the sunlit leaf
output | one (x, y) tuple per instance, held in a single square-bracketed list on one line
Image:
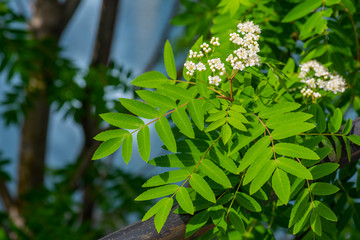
[(126, 148), (143, 140), (169, 60), (202, 187), (122, 120), (184, 200), (163, 129), (214, 172), (162, 214), (106, 148), (281, 185), (157, 192), (139, 108)]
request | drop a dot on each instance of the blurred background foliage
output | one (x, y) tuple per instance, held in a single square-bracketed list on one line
[(86, 200)]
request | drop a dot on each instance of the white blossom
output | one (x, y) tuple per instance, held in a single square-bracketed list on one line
[(214, 80), (316, 76)]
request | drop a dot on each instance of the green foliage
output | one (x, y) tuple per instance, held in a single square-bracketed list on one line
[(273, 139)]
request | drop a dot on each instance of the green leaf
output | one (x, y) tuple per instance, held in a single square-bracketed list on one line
[(139, 108), (196, 223), (256, 150), (347, 127), (236, 221), (169, 61), (354, 139), (162, 214), (122, 120), (315, 223), (202, 187), (238, 108), (215, 125), (163, 129), (238, 116), (248, 202), (331, 2), (255, 167), (299, 207), (216, 116), (154, 209), (323, 189), (126, 148), (318, 112), (175, 92), (109, 134), (225, 133), (347, 148), (303, 219), (157, 100), (325, 211), (182, 121), (214, 172), (293, 167), (175, 160), (151, 79), (266, 172), (143, 140), (287, 119), (184, 200), (324, 169), (278, 108), (335, 121), (294, 150), (196, 111), (167, 177), (301, 10), (226, 162), (157, 192), (291, 130), (236, 123), (281, 185), (241, 140), (107, 148)]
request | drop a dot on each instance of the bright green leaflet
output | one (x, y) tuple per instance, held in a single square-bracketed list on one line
[(151, 79), (225, 133), (162, 214), (106, 148), (184, 200), (266, 172), (163, 129), (167, 177), (122, 120), (293, 167), (215, 173), (301, 10), (182, 121), (109, 134), (144, 145), (294, 150), (196, 111), (126, 149), (157, 100), (139, 108), (157, 192), (202, 187), (154, 209), (315, 223), (281, 185), (169, 60), (325, 211), (256, 150)]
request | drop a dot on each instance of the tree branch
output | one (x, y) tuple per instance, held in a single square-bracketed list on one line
[(68, 9), (5, 195), (175, 225)]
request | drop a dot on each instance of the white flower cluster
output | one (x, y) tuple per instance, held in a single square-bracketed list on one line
[(316, 77), (246, 54), (192, 54), (214, 80), (215, 41)]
